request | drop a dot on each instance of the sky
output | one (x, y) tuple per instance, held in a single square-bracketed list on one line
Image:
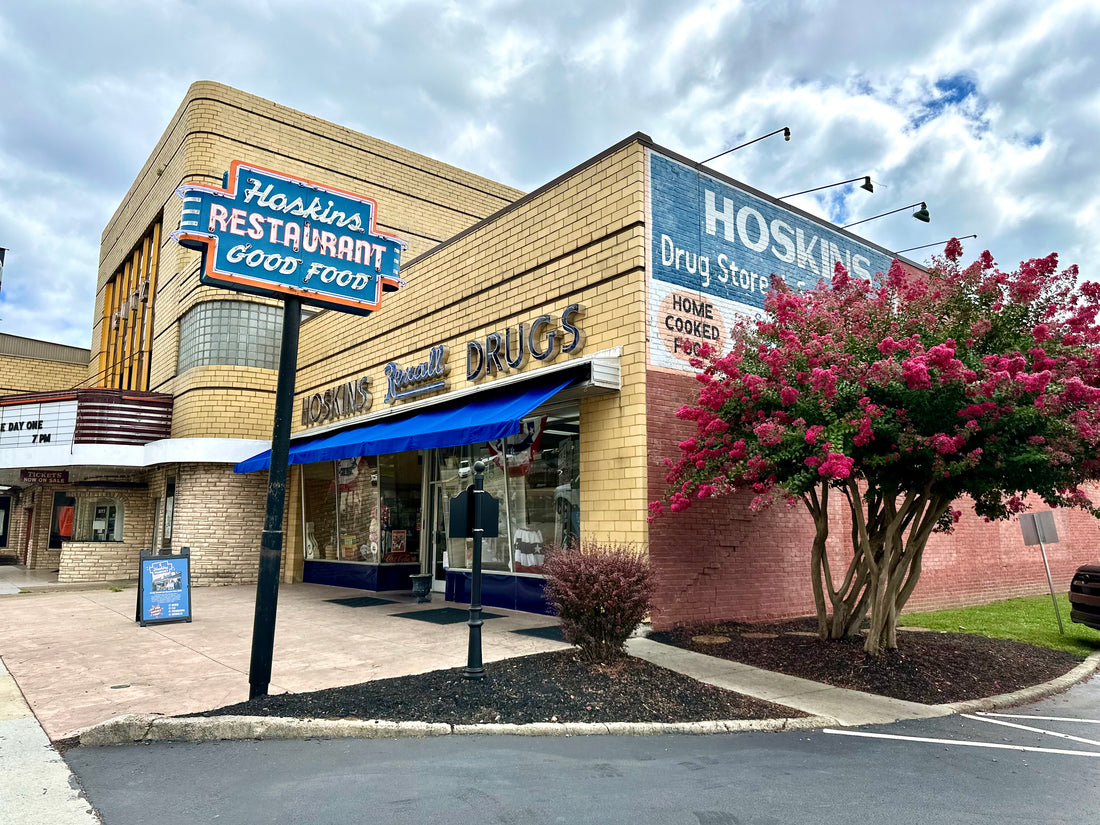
[(988, 111)]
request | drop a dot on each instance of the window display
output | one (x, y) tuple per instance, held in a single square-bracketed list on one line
[(400, 479), (536, 477), (61, 520), (98, 520), (341, 509), (369, 509)]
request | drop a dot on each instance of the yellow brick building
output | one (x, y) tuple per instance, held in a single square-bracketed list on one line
[(547, 336), (116, 473)]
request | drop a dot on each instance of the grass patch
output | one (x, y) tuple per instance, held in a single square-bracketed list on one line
[(1028, 620)]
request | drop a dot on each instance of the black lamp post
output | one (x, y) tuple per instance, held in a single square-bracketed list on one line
[(786, 130), (921, 214), (474, 667)]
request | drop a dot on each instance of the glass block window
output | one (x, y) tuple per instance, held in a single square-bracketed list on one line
[(234, 333)]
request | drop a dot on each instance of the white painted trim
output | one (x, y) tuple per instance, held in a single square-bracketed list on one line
[(164, 451)]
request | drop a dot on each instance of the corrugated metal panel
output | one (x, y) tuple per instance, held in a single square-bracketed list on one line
[(120, 417), (20, 347)]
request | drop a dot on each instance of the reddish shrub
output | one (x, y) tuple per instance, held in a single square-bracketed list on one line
[(601, 594)]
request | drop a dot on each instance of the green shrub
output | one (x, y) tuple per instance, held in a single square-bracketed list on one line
[(601, 594)]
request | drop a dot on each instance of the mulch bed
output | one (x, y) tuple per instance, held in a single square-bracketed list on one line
[(545, 687), (928, 667)]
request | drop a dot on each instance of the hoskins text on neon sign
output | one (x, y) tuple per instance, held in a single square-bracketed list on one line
[(275, 234)]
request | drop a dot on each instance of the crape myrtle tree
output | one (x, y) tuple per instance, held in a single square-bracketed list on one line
[(904, 398)]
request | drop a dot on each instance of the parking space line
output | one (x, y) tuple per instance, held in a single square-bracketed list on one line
[(1041, 718), (1031, 729), (994, 745)]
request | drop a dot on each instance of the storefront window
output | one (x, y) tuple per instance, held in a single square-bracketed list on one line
[(357, 509), (342, 518), (401, 478), (61, 521), (371, 509), (99, 520), (535, 475)]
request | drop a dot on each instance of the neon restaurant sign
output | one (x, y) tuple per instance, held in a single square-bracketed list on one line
[(280, 236), (277, 235)]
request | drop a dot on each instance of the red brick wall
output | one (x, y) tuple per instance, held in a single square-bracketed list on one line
[(721, 561)]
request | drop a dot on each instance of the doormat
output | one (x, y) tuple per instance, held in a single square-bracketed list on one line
[(552, 632), (445, 615), (360, 601)]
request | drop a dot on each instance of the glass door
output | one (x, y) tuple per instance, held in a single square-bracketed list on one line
[(450, 475), (401, 486)]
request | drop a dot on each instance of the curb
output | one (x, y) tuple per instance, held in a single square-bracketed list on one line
[(1029, 694), (137, 727)]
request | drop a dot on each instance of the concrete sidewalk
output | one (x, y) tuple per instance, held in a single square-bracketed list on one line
[(80, 658), (846, 707), (35, 783)]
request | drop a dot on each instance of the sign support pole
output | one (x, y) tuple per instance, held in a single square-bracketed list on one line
[(474, 667), (1050, 584), (271, 545)]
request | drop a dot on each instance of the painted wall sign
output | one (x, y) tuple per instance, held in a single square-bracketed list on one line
[(164, 588), (542, 340), (275, 234), (44, 476), (339, 401), (45, 424), (427, 376), (686, 321), (721, 244)]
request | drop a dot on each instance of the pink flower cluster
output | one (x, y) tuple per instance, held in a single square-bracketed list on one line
[(931, 377)]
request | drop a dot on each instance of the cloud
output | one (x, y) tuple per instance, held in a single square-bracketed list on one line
[(987, 111)]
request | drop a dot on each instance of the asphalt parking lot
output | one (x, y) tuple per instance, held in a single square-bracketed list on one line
[(1066, 725)]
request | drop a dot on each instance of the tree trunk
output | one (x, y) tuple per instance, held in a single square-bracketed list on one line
[(904, 538), (840, 610), (888, 540)]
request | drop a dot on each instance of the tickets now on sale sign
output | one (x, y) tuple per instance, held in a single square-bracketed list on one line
[(274, 234)]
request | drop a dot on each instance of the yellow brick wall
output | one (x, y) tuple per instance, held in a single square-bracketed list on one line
[(223, 402), (419, 199), (37, 375), (581, 240), (104, 560), (219, 515)]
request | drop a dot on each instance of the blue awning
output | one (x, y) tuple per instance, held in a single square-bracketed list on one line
[(484, 418)]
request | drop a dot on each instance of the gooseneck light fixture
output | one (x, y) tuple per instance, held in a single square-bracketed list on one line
[(937, 243), (921, 214), (786, 130), (865, 185)]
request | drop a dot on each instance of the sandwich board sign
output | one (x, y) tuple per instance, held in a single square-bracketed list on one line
[(164, 588)]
